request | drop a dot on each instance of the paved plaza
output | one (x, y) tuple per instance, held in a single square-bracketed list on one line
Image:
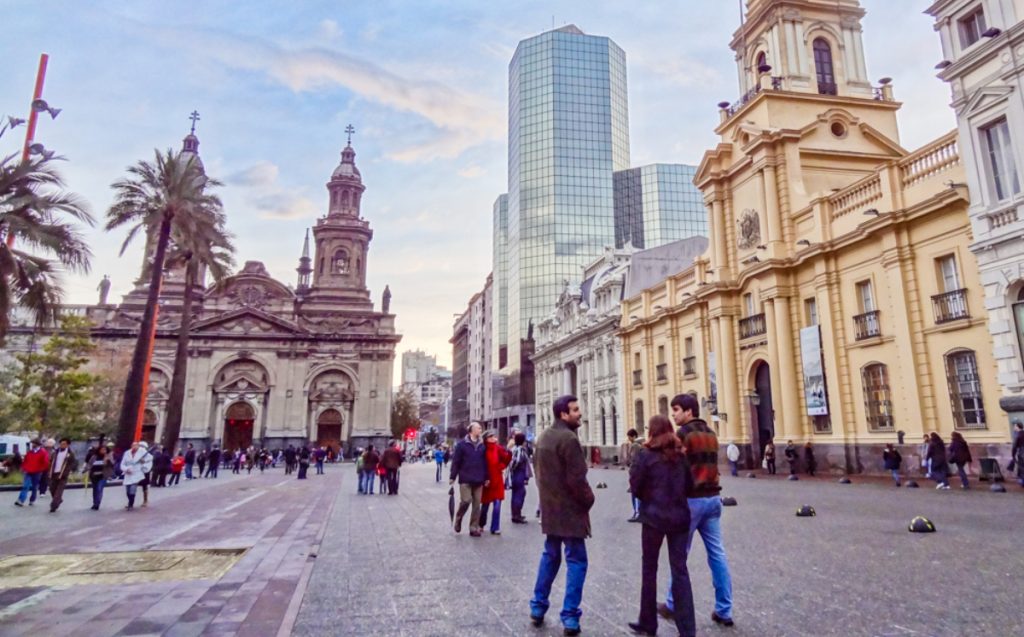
[(323, 560)]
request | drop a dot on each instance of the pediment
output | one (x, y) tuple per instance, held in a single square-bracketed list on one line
[(246, 321), (877, 143), (983, 99)]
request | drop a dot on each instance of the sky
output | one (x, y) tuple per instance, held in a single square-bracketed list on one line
[(424, 83)]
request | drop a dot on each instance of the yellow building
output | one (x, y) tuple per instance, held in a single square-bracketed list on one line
[(838, 302)]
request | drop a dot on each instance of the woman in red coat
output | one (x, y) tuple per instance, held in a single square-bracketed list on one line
[(494, 489)]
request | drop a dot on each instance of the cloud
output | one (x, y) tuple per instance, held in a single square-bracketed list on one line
[(328, 30), (260, 174), (472, 172), (462, 119), (284, 205)]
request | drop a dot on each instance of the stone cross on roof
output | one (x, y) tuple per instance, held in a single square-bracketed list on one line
[(350, 129), (194, 116)]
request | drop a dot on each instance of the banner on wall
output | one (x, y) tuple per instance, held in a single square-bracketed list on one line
[(814, 371)]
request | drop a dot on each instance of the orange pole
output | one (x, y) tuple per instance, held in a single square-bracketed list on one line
[(33, 117), (145, 376)]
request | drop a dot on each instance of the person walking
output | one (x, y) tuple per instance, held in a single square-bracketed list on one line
[(810, 464), (289, 459), (201, 461), (1017, 453), (660, 477), (147, 478), (370, 459), (520, 472), (392, 461), (190, 460), (769, 457), (360, 476), (469, 467), (631, 449), (926, 466), (34, 465), (44, 479), (214, 460), (439, 461), (960, 455), (61, 466), (382, 477), (892, 460), (937, 463), (792, 457), (321, 455), (177, 465), (565, 502), (701, 447), (101, 469), (732, 453), (136, 463), (304, 455), (161, 466), (498, 458)]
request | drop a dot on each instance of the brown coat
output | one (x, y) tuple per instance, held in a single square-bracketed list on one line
[(561, 474)]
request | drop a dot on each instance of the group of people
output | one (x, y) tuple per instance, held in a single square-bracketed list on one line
[(371, 464), (674, 481)]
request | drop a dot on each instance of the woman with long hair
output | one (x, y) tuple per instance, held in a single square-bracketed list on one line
[(937, 463), (960, 455), (660, 478)]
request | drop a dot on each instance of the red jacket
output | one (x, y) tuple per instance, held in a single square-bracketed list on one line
[(177, 463), (497, 459), (35, 461)]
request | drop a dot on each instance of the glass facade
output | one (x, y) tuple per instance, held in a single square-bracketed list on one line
[(499, 325), (657, 204), (568, 132)]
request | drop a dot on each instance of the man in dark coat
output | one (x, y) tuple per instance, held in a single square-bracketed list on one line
[(289, 459), (392, 460), (565, 502), (190, 460), (469, 466), (214, 460), (62, 463)]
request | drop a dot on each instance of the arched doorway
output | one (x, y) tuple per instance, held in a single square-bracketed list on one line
[(238, 422), (149, 426), (328, 429), (762, 412)]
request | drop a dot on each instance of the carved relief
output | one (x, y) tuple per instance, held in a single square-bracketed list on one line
[(249, 295), (750, 230)]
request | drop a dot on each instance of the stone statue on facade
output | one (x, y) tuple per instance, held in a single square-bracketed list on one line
[(385, 303), (104, 289)]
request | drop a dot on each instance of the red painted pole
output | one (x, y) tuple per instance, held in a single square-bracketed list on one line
[(33, 116), (145, 377)]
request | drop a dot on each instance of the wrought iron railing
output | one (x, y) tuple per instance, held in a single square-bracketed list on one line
[(867, 325), (950, 306), (690, 366), (753, 326)]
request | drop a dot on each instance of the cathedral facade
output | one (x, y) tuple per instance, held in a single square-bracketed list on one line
[(271, 364)]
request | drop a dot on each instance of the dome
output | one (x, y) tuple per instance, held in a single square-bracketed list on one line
[(347, 168)]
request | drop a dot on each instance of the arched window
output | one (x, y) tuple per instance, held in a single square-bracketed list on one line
[(615, 426), (663, 405), (824, 68), (345, 198), (762, 61), (638, 416), (877, 397), (965, 390), (341, 262), (1018, 314), (604, 428)]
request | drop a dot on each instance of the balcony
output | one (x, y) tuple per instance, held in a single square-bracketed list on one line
[(828, 88), (951, 306), (638, 377), (690, 366), (867, 325), (662, 372), (753, 326)]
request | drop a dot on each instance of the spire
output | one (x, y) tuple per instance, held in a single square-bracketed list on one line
[(304, 269), (346, 184), (190, 144)]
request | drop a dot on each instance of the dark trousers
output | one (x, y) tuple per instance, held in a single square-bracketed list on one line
[(682, 594), (302, 470), (57, 492), (161, 479), (319, 467), (438, 476), (771, 466), (188, 470), (518, 498), (175, 479), (97, 492), (212, 470), (44, 481), (392, 477)]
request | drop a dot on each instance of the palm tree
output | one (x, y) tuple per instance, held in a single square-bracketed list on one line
[(153, 199), (42, 218), (207, 244)]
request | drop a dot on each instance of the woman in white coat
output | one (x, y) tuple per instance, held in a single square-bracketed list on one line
[(135, 464)]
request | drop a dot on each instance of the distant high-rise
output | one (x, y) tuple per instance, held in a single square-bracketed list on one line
[(568, 132), (499, 338), (657, 204)]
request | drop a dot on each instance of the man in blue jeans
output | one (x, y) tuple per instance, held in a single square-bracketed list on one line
[(701, 446), (565, 500)]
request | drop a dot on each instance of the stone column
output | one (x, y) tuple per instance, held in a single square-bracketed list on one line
[(773, 365), (784, 335), (721, 264), (728, 386), (771, 209)]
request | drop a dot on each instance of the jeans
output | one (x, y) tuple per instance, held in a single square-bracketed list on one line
[(319, 467), (30, 483), (130, 490), (518, 497), (97, 492), (636, 506), (366, 478), (962, 471), (734, 468), (706, 517), (212, 470), (188, 470), (575, 576), (175, 479), (495, 519), (896, 475), (437, 478), (651, 540)]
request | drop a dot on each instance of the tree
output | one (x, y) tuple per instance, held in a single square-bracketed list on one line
[(205, 244), (154, 198), (42, 219), (404, 414), (52, 392)]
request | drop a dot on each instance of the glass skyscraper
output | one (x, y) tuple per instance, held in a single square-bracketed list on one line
[(499, 324), (568, 133), (657, 204)]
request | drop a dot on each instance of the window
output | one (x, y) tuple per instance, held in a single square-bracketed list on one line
[(636, 360), (663, 405), (948, 276), (748, 304), (638, 414), (661, 354), (971, 27), (1018, 314), (965, 390), (824, 68), (811, 311), (688, 346), (1002, 168), (877, 398), (866, 296), (762, 61)]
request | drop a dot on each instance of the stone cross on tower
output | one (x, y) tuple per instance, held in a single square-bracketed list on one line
[(194, 116), (350, 129)]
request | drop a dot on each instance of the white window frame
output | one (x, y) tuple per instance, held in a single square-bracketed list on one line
[(867, 302), (949, 273), (969, 20), (998, 159)]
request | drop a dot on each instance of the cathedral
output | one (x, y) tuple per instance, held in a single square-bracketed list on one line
[(271, 364)]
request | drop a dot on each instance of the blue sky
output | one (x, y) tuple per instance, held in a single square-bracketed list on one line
[(425, 84)]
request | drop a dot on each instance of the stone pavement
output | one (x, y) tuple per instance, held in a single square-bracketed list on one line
[(392, 566), (276, 519)]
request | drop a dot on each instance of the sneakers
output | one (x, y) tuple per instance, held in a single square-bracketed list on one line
[(496, 532), (18, 503), (640, 630), (724, 621), (635, 518), (569, 632), (537, 621)]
